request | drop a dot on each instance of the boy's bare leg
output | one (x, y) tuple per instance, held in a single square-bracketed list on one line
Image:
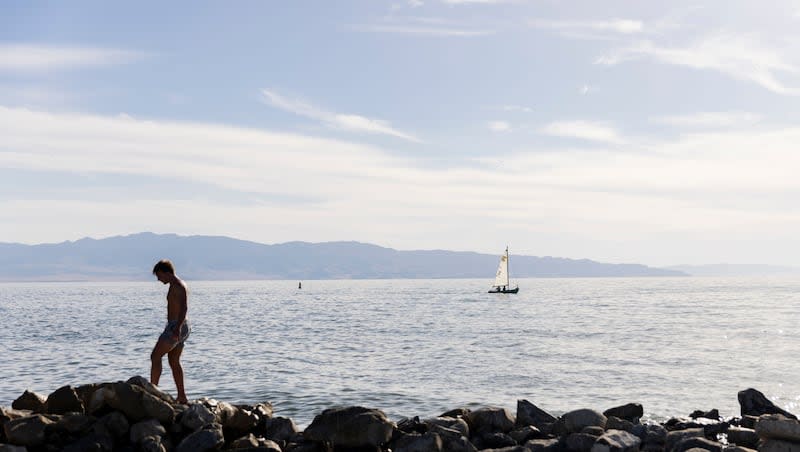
[(174, 358), (161, 349)]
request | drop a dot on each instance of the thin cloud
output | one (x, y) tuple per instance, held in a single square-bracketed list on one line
[(742, 57), (37, 57), (584, 130), (590, 29), (477, 2), (421, 30), (517, 108), (710, 119), (349, 122), (499, 126)]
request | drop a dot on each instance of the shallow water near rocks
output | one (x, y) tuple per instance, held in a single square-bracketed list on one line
[(421, 347)]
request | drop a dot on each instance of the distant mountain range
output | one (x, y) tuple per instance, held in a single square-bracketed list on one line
[(132, 257)]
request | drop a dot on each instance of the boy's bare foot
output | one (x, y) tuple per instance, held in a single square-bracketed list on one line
[(182, 400)]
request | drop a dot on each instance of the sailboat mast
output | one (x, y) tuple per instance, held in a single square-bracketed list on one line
[(508, 272)]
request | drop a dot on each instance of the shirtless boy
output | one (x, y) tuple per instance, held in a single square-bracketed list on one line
[(171, 341)]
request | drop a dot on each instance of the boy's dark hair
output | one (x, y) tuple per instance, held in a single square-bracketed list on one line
[(164, 265)]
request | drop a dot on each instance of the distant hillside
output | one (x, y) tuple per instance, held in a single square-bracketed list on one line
[(221, 258), (735, 270)]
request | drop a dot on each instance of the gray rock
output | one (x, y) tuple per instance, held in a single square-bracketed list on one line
[(748, 421), (98, 399), (244, 442), (142, 430), (523, 434), (351, 427), (737, 449), (631, 412), (29, 401), (126, 398), (450, 422), (263, 410), (457, 412), (203, 440), (280, 429), (157, 408), (593, 430), (428, 442), (615, 423), (12, 448), (580, 442), (151, 389), (775, 426), (776, 445), (452, 439), (241, 420), (754, 403), (27, 431), (114, 424), (617, 441), (196, 417), (91, 442), (64, 400), (543, 445), (508, 449), (75, 424), (577, 420), (673, 438), (152, 444), (489, 440), (745, 437), (490, 420), (697, 443), (530, 414)]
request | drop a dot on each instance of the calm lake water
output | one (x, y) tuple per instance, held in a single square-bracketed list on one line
[(421, 347)]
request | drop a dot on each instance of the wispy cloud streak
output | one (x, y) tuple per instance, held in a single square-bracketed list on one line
[(37, 57), (349, 122)]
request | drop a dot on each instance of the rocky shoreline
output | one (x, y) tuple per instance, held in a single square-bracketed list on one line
[(136, 416)]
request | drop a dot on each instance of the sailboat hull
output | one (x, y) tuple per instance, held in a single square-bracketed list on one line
[(499, 290)]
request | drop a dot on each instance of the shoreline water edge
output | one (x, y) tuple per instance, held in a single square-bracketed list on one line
[(137, 416)]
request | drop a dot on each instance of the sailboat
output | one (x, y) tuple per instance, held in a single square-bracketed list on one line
[(501, 284)]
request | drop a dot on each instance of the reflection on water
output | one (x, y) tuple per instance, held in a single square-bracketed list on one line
[(421, 347)]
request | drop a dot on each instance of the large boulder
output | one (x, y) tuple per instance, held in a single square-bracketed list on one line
[(197, 416), (744, 437), (142, 430), (452, 439), (677, 436), (351, 427), (151, 389), (29, 401), (204, 440), (280, 429), (114, 424), (27, 431), (450, 422), (580, 442), (776, 426), (617, 441), (138, 404), (776, 445), (428, 442), (530, 414), (755, 403), (543, 445), (490, 420), (630, 412), (64, 400), (577, 420)]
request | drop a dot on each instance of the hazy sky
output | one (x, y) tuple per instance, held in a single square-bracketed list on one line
[(622, 131)]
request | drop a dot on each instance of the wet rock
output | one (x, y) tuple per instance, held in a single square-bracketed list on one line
[(524, 434), (27, 431), (490, 420), (697, 443), (580, 442), (745, 437), (150, 427), (197, 416), (489, 440), (631, 412), (151, 389), (754, 403), (675, 437), (29, 401), (711, 414), (152, 444), (204, 440), (427, 442), (615, 423), (457, 412), (450, 422), (776, 426), (280, 429), (617, 441), (64, 400), (593, 430), (350, 427), (530, 414), (452, 439), (543, 445), (577, 420), (114, 424), (776, 445)]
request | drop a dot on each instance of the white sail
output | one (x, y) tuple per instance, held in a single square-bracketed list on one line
[(501, 279)]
